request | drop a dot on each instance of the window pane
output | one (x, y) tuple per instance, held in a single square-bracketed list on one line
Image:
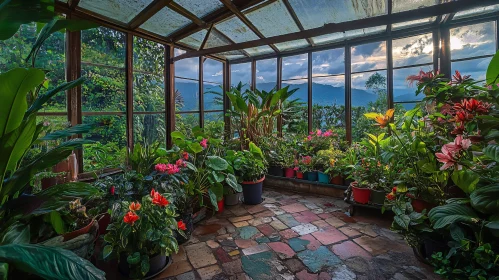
[(236, 30), (328, 62), (149, 129), (187, 68), (213, 97), (296, 120), (50, 58), (412, 23), (148, 93), (368, 95), (413, 50), (266, 74), (103, 46), (109, 149), (213, 71), (328, 102), (370, 56), (473, 40), (214, 124), (292, 45), (195, 40), (185, 122), (475, 67), (402, 91), (295, 67), (148, 56), (240, 73), (186, 95), (404, 106), (103, 90)]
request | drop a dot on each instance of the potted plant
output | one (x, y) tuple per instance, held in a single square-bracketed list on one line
[(232, 197), (289, 162), (142, 236), (249, 167), (306, 165)]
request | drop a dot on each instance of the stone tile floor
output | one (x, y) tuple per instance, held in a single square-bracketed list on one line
[(295, 236)]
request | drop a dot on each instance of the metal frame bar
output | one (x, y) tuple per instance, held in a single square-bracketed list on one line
[(348, 92), (201, 92), (279, 86), (226, 102), (169, 94), (129, 89), (309, 93), (253, 75)]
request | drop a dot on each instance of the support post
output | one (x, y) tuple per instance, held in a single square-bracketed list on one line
[(129, 90), (309, 103), (201, 92), (348, 92), (226, 102), (279, 86), (445, 57), (169, 94), (389, 73)]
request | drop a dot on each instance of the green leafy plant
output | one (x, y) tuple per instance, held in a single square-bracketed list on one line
[(248, 165)]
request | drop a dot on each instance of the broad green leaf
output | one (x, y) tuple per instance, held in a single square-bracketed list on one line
[(213, 199), (403, 221), (144, 266), (456, 232), (4, 271), (14, 86), (177, 135), (492, 151), (134, 258), (255, 150), (217, 163), (57, 222), (219, 177), (14, 13), (106, 252), (17, 233), (195, 147), (493, 70), (465, 179), (485, 199), (443, 216), (49, 262), (77, 129), (232, 182)]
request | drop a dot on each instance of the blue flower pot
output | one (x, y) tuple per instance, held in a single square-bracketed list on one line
[(311, 176), (323, 177)]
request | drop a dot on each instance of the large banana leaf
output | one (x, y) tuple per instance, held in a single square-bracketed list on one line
[(14, 86), (49, 262), (77, 129), (16, 183), (13, 13)]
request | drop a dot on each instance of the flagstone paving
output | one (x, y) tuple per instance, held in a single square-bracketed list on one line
[(295, 236)]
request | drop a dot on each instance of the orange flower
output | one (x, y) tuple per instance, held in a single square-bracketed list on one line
[(382, 120), (181, 225), (158, 199), (134, 206), (130, 218)]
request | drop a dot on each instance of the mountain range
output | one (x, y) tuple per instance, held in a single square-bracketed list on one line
[(322, 94)]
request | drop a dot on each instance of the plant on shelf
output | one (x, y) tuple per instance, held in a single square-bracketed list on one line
[(319, 140), (249, 167), (142, 235), (273, 148)]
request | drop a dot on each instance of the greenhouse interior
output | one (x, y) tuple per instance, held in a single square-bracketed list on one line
[(249, 139)]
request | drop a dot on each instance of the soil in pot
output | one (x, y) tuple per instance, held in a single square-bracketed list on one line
[(275, 171), (311, 176), (252, 192), (289, 172), (157, 264), (232, 199), (81, 231), (361, 195), (378, 197), (337, 180), (323, 177)]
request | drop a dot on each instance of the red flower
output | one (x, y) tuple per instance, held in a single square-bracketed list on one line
[(185, 155), (204, 143), (307, 160), (180, 163), (421, 78), (112, 190), (458, 79), (473, 106), (158, 199), (160, 167), (181, 225), (130, 218), (458, 129), (390, 196), (134, 206), (394, 189)]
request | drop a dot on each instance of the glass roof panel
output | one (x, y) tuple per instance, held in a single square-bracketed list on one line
[(292, 45), (412, 23), (316, 13), (407, 5), (230, 57), (195, 40), (216, 40), (236, 30), (120, 10), (477, 11), (259, 50), (165, 22), (273, 20), (200, 8)]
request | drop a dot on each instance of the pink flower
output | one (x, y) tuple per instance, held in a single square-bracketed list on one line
[(309, 138), (489, 87), (328, 133), (172, 169), (319, 132), (459, 144), (185, 155), (447, 158), (160, 167), (204, 143), (307, 160), (296, 169), (180, 163), (312, 133)]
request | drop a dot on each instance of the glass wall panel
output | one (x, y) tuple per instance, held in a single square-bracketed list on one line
[(266, 74), (149, 129), (103, 93), (213, 71), (328, 62), (473, 40), (404, 91), (413, 50), (186, 95), (295, 67), (328, 102), (184, 122), (477, 68), (368, 57), (213, 96), (241, 73), (296, 120)]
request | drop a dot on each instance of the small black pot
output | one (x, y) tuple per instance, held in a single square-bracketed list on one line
[(275, 171), (157, 264), (252, 192), (378, 197)]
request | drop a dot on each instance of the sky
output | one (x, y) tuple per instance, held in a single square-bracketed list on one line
[(466, 41)]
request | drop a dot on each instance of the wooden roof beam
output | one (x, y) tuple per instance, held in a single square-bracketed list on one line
[(436, 10), (147, 13), (246, 21), (212, 18)]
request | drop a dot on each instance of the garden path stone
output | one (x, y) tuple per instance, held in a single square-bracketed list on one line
[(200, 255), (303, 229), (247, 232), (316, 260)]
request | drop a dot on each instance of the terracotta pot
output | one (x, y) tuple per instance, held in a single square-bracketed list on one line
[(76, 233), (289, 172), (221, 204), (337, 180), (299, 175), (361, 195), (419, 205), (104, 220)]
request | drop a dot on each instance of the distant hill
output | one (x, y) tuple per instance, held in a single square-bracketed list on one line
[(322, 94)]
